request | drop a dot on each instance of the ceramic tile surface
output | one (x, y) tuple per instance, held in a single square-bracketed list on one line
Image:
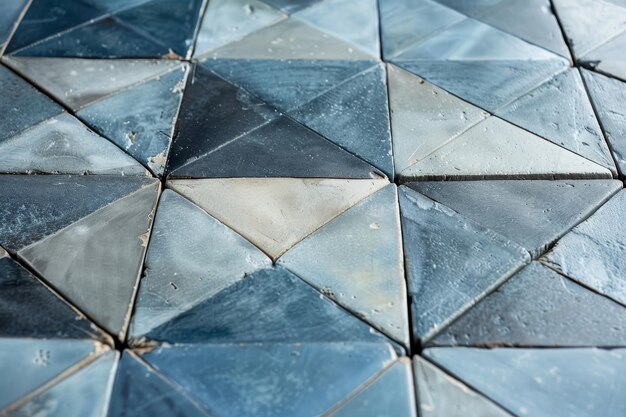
[(376, 208)]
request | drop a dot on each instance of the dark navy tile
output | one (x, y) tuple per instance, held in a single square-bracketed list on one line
[(260, 380), (531, 213), (281, 148), (213, 112), (270, 305), (33, 207), (538, 307)]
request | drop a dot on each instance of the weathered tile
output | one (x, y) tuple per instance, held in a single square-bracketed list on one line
[(440, 395), (96, 261), (593, 253), (356, 259), (405, 22), (543, 382), (102, 38), (589, 23), (391, 394), (560, 112), (488, 84), (608, 96), (271, 305), (280, 148), (78, 82), (609, 58), (22, 105), (473, 8), (139, 391), (10, 12), (270, 380), (226, 21), (530, 213), (213, 112), (33, 207), (538, 307), (28, 364), (141, 119), (496, 149), (424, 117), (191, 257), (451, 261), (63, 145), (85, 393), (171, 23), (290, 6), (357, 25), (287, 84), (532, 21), (276, 213), (355, 116), (29, 309)]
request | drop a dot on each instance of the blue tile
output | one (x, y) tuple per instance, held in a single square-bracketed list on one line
[(10, 11), (290, 6)]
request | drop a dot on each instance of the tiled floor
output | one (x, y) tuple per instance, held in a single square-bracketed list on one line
[(313, 208)]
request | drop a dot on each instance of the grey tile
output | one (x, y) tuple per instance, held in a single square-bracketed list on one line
[(190, 258), (440, 395), (560, 111), (530, 213), (538, 307), (356, 259), (451, 262), (269, 380), (609, 57), (542, 382), (593, 253), (96, 261)]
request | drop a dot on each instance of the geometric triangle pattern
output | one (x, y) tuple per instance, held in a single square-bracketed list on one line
[(312, 208)]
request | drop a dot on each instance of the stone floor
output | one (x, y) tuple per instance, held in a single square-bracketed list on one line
[(313, 208)]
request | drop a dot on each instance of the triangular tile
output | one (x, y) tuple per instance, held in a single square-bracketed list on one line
[(593, 252), (496, 149), (609, 58), (532, 21), (280, 148), (473, 8), (33, 207), (406, 22), (271, 380), (290, 6), (22, 105), (487, 84), (286, 84), (589, 23), (390, 394), (29, 309), (63, 145), (141, 119), (78, 82), (28, 364), (96, 261), (276, 213), (559, 110), (542, 382), (608, 96), (85, 393), (141, 392), (271, 305), (440, 395), (102, 38), (45, 18), (424, 117), (173, 24), (226, 21), (538, 307), (356, 259), (340, 18), (355, 116), (213, 113), (191, 257), (444, 250), (10, 12), (530, 213)]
